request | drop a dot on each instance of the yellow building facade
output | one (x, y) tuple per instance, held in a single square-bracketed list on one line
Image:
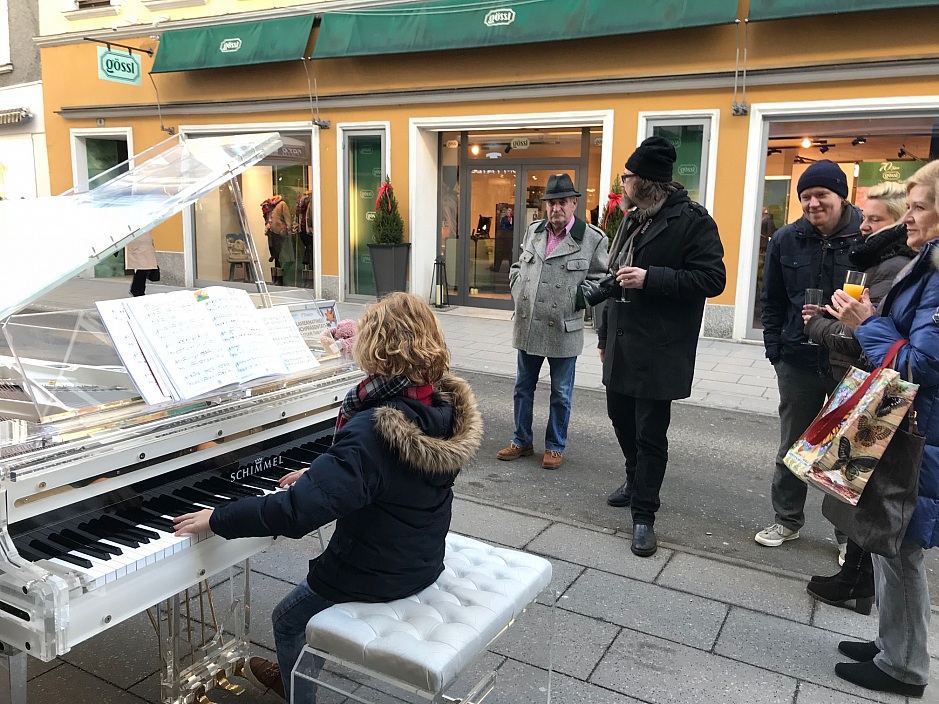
[(468, 124)]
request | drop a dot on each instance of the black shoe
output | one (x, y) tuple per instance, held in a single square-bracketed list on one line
[(869, 676), (856, 650), (622, 497), (644, 541), (820, 579), (837, 593)]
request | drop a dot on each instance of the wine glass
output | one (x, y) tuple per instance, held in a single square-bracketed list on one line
[(813, 297), (625, 259)]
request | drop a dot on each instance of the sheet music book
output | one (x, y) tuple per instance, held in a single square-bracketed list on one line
[(185, 344)]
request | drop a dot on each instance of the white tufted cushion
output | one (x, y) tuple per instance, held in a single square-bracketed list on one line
[(427, 639)]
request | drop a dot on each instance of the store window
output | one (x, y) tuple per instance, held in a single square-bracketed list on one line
[(869, 151), (96, 154), (691, 139), (364, 171), (277, 199)]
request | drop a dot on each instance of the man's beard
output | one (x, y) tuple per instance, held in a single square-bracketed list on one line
[(625, 204)]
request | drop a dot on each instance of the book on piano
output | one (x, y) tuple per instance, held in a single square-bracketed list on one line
[(184, 344)]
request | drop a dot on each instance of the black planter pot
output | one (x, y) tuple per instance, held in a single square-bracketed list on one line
[(390, 267)]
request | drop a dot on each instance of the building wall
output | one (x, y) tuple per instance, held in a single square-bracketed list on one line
[(24, 54), (800, 60)]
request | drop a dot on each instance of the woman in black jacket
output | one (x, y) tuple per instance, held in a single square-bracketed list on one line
[(402, 436), (882, 255)]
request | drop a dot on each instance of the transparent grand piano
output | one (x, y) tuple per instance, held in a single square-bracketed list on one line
[(91, 476)]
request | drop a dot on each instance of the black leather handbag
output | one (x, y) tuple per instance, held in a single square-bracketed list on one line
[(879, 521)]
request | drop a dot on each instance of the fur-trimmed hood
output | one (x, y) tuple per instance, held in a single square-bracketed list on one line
[(431, 455)]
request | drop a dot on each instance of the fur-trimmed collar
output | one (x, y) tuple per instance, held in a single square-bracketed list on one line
[(428, 454)]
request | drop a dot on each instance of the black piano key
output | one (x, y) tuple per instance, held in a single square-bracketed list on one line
[(260, 483), (225, 487), (151, 519), (298, 454), (119, 538), (76, 547), (171, 505), (51, 552), (190, 494), (79, 536), (278, 472), (28, 554), (128, 527)]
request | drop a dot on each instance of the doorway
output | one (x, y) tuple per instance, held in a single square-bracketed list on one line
[(491, 188)]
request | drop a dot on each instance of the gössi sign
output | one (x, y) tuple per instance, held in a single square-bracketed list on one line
[(118, 66)]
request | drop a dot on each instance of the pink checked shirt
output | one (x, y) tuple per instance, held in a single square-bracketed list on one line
[(555, 240)]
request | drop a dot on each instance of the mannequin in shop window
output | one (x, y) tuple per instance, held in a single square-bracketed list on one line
[(303, 216)]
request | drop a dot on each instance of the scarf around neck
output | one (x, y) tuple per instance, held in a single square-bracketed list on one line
[(374, 389)]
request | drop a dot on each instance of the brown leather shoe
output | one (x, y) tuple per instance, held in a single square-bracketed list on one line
[(513, 452), (552, 459), (265, 675)]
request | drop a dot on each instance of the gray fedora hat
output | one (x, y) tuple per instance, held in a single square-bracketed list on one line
[(559, 186)]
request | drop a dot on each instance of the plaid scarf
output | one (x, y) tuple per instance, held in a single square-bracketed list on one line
[(374, 389)]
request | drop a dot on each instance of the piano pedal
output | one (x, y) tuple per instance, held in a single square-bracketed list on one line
[(238, 668), (201, 697), (222, 681)]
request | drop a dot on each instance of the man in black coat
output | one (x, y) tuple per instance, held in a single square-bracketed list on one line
[(668, 259), (812, 252)]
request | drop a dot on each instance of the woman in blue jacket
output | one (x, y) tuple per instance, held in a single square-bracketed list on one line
[(898, 661), (402, 436)]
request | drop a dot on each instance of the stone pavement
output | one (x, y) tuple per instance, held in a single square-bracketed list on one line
[(681, 627)]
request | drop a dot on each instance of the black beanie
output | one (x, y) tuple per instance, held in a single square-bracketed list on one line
[(653, 159), (824, 174)]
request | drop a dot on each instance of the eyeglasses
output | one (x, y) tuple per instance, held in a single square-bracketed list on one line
[(625, 177)]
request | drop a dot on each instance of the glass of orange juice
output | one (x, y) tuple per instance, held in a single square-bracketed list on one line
[(854, 284)]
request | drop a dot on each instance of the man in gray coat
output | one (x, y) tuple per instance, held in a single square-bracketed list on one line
[(558, 256)]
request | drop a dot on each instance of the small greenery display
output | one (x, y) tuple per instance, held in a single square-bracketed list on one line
[(612, 213), (388, 227)]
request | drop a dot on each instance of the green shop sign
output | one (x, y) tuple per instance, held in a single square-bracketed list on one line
[(118, 66), (871, 173)]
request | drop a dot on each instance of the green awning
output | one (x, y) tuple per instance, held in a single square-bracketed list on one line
[(462, 24), (241, 44), (782, 9)]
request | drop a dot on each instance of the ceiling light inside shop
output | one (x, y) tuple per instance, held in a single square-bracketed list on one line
[(858, 140), (493, 155), (474, 149), (806, 143)]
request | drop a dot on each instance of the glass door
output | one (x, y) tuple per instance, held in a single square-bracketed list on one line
[(488, 252)]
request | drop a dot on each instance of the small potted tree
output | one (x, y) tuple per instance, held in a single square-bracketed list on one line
[(389, 253)]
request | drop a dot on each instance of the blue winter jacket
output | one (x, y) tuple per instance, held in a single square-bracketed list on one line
[(911, 311), (386, 481)]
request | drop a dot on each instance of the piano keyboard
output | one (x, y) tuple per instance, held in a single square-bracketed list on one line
[(134, 529)]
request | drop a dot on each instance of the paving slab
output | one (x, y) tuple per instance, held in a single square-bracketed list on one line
[(519, 683), (657, 670), (579, 641), (752, 589), (122, 655), (494, 525), (602, 551), (69, 682), (289, 559), (813, 694), (683, 618), (563, 575), (793, 649)]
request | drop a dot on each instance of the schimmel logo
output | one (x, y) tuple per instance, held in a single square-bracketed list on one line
[(687, 170), (230, 46), (500, 17)]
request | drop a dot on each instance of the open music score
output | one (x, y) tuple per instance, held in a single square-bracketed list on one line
[(184, 344)]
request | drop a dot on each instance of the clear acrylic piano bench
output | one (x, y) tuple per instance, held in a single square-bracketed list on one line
[(421, 644)]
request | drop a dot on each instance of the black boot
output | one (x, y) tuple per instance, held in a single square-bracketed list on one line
[(644, 541), (869, 676), (622, 496), (846, 589), (862, 651)]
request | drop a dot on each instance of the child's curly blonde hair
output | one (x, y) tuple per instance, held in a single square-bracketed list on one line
[(400, 336)]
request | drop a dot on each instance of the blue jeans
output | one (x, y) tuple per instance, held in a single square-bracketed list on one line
[(290, 618), (562, 388)]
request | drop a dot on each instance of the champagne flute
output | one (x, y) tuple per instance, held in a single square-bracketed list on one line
[(854, 282), (813, 297)]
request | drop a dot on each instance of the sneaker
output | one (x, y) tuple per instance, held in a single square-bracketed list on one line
[(842, 552), (265, 675), (513, 452), (775, 535), (552, 459)]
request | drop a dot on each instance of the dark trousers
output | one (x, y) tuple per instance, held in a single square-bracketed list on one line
[(138, 286), (641, 427), (802, 394)]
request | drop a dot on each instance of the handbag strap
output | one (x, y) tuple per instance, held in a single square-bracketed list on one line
[(822, 427)]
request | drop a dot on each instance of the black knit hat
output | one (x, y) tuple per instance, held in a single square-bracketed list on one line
[(653, 159), (825, 174)]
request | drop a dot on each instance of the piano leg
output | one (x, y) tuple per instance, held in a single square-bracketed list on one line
[(13, 677)]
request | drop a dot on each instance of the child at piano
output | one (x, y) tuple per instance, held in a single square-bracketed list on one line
[(402, 436)]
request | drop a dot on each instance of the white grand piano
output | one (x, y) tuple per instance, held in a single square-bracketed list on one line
[(90, 475)]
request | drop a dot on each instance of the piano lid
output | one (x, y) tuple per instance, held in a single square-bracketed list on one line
[(80, 228)]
